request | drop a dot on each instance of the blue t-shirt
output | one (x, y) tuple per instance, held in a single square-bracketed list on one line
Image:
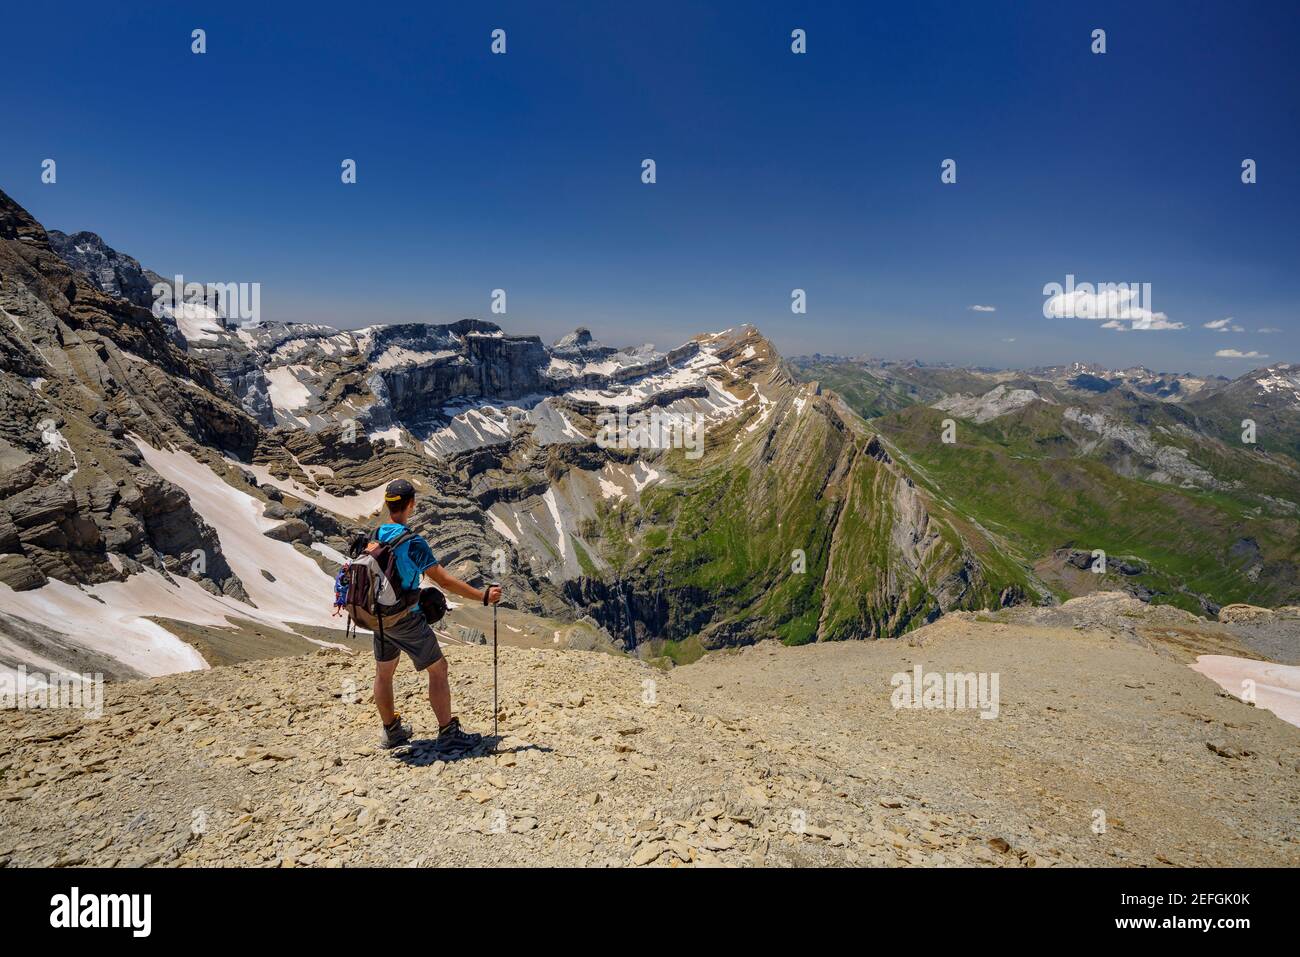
[(413, 556)]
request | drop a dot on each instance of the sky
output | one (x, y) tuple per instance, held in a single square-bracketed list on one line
[(775, 171)]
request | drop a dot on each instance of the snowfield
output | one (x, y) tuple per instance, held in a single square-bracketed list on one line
[(302, 592), (1277, 687), (112, 618), (196, 321)]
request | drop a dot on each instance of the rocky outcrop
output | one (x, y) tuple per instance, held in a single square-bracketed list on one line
[(81, 369), (20, 573), (112, 272), (581, 345), (1239, 613), (69, 529), (1132, 451), (1268, 632), (994, 404)]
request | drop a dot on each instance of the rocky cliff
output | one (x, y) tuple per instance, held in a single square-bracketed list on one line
[(112, 272), (82, 368)]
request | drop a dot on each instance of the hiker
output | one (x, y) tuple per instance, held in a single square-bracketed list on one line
[(410, 630)]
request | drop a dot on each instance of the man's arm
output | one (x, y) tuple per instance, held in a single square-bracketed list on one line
[(449, 582)]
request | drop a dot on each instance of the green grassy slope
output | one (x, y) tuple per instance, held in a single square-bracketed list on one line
[(792, 529), (1022, 476)]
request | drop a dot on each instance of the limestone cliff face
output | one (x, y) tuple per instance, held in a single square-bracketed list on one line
[(413, 375), (464, 361)]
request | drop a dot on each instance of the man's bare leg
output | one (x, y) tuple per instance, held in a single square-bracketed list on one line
[(440, 691), (384, 671)]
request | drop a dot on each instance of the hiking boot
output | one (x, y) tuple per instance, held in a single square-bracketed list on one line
[(454, 738), (398, 733)]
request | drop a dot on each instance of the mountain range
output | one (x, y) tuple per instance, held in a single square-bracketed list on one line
[(172, 482), (1190, 483)]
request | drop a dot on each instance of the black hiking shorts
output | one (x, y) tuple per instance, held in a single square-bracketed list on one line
[(412, 634)]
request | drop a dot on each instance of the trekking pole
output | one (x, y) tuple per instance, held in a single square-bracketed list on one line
[(494, 666)]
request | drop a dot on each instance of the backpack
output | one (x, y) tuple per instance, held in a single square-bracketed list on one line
[(371, 585)]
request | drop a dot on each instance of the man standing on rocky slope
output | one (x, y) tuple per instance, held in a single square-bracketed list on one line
[(411, 632)]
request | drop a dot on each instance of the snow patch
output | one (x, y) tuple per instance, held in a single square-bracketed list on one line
[(286, 392), (55, 440), (1277, 687), (196, 321), (333, 554), (116, 625), (301, 592), (553, 507), (609, 490), (643, 475), (397, 356), (393, 435), (504, 530)]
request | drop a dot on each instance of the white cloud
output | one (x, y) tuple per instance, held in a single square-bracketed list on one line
[(1116, 303), (1155, 322), (1012, 339), (1224, 325), (1269, 330), (1238, 354), (983, 308)]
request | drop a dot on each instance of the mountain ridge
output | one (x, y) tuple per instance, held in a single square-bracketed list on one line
[(800, 519)]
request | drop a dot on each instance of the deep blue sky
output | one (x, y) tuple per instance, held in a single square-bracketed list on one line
[(775, 171)]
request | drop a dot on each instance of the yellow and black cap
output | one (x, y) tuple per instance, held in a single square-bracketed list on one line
[(399, 490)]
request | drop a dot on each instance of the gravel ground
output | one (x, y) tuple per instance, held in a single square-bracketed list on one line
[(1106, 750)]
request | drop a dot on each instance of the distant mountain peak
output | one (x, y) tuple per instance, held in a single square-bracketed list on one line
[(581, 344), (579, 337), (111, 271)]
